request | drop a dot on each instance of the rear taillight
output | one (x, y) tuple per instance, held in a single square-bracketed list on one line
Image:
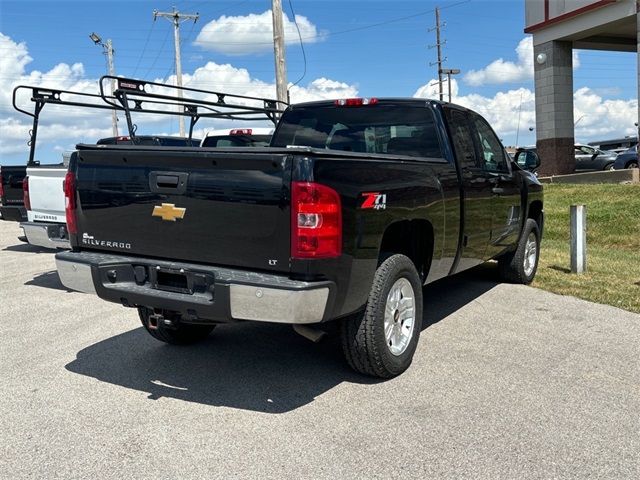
[(69, 188), (316, 221), (1, 186), (25, 193)]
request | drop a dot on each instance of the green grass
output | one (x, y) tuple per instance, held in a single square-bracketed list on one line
[(613, 244)]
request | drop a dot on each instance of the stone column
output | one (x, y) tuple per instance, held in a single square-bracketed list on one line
[(638, 60), (554, 106)]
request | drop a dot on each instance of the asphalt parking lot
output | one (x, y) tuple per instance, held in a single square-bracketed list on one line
[(508, 382)]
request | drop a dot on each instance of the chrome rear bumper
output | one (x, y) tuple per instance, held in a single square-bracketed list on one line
[(217, 294), (47, 235)]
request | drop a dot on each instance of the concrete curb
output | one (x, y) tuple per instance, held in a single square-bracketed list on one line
[(631, 175)]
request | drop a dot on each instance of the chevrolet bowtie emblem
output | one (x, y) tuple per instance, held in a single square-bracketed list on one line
[(168, 212)]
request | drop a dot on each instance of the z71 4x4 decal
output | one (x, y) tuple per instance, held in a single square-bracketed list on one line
[(375, 200)]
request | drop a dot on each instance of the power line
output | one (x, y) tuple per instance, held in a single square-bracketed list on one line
[(304, 55), (160, 52), (144, 49)]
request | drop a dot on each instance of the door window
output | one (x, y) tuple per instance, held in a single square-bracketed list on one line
[(491, 150), (584, 150), (462, 140)]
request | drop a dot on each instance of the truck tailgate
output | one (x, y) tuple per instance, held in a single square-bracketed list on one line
[(46, 193), (220, 208)]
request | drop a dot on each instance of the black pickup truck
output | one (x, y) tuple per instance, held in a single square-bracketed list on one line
[(353, 208), (11, 193)]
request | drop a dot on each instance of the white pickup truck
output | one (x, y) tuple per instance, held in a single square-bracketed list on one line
[(44, 200)]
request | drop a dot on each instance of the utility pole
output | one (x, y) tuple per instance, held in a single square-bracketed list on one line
[(108, 51), (278, 48), (439, 51), (438, 45), (177, 17)]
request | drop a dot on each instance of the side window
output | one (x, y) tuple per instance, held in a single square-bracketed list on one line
[(462, 140), (586, 150), (493, 159)]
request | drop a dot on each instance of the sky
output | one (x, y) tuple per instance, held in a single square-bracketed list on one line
[(370, 48)]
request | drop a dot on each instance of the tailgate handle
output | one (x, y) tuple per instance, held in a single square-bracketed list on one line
[(168, 182)]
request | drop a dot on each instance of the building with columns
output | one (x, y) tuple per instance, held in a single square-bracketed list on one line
[(559, 26)]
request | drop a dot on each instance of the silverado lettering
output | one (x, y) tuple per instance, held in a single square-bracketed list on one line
[(89, 240)]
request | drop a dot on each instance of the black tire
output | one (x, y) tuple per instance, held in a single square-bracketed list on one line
[(513, 266), (632, 164), (364, 342), (608, 166), (183, 334)]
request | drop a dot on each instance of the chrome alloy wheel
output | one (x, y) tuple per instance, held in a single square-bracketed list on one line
[(530, 254), (399, 316)]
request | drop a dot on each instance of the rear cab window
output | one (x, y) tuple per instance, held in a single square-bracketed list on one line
[(382, 128)]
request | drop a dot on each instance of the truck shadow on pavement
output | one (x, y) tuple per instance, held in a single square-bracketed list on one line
[(49, 279), (28, 248), (251, 366)]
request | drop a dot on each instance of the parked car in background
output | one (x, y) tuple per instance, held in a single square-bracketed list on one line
[(44, 199), (591, 158), (628, 159), (238, 137), (617, 145), (149, 140), (11, 194)]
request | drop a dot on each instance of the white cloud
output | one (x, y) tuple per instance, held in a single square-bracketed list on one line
[(322, 89), (501, 110), (431, 90), (600, 118), (252, 33), (56, 122), (504, 71), (68, 126)]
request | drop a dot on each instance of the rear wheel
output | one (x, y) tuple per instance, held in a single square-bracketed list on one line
[(632, 164), (381, 341), (521, 265), (180, 334)]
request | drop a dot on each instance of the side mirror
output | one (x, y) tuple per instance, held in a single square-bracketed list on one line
[(528, 160)]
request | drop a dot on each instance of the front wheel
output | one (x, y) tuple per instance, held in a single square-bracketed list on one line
[(180, 334), (381, 340), (521, 265)]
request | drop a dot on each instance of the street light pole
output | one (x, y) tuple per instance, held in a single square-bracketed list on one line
[(108, 51), (448, 72)]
